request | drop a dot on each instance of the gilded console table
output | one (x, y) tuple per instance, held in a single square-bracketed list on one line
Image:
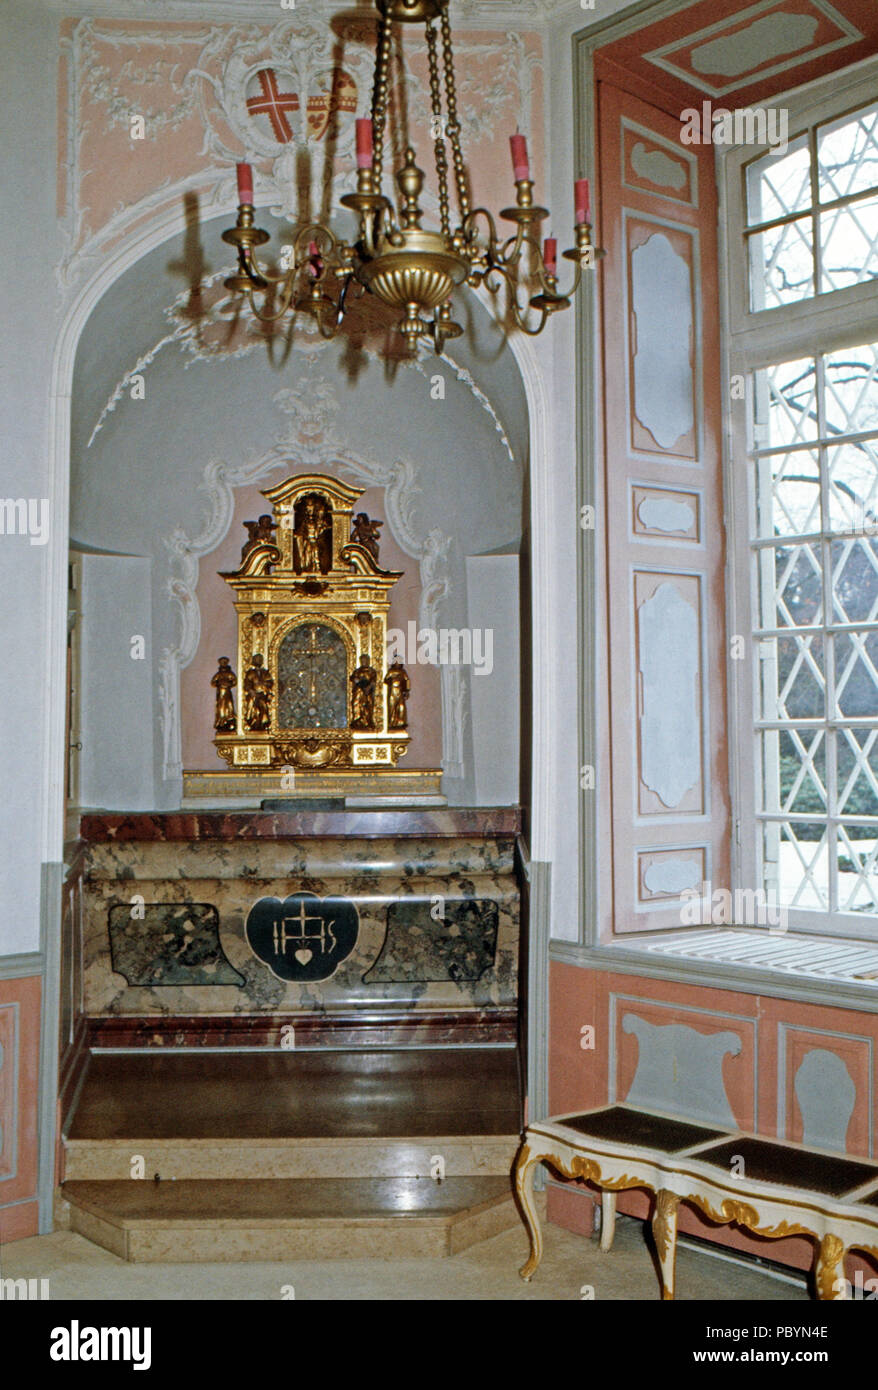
[(771, 1188)]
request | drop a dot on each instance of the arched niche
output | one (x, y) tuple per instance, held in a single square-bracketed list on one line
[(170, 436)]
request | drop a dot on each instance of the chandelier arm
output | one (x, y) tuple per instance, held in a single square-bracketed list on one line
[(453, 126), (379, 97), (438, 138), (286, 299)]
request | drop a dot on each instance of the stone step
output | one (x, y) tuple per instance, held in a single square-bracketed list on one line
[(114, 1159), (281, 1219)]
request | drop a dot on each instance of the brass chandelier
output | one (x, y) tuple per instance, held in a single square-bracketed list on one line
[(414, 270)]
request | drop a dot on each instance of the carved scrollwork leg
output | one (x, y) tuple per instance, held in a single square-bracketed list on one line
[(664, 1230), (523, 1176), (829, 1272), (608, 1219)]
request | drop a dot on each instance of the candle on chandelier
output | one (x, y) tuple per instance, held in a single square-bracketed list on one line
[(520, 165), (582, 202), (245, 183), (550, 255), (364, 142)]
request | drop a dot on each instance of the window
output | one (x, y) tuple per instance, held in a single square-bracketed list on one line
[(812, 212), (803, 347)]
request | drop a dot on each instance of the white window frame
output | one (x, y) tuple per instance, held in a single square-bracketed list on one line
[(752, 340)]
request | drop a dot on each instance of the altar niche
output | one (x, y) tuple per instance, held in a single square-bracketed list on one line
[(312, 682)]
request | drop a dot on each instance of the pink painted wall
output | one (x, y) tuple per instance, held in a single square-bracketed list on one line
[(19, 1096), (758, 1082)]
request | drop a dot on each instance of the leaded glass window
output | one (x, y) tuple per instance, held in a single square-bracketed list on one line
[(815, 548), (812, 212)]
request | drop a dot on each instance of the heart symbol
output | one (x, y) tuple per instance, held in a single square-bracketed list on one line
[(304, 956)]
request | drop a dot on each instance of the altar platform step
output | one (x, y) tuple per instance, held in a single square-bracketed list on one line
[(302, 1155), (274, 1219)]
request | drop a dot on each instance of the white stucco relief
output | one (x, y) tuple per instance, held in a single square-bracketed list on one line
[(670, 727), (213, 88)]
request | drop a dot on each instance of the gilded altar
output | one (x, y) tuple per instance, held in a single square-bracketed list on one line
[(312, 690)]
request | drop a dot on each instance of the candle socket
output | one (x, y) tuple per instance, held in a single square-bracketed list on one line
[(244, 234), (365, 200), (585, 252), (525, 192), (525, 210)]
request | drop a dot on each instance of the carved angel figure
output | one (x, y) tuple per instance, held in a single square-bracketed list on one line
[(259, 532), (367, 533)]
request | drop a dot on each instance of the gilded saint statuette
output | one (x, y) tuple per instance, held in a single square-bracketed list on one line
[(312, 606), (310, 549), (224, 683), (258, 685), (363, 681), (398, 690)]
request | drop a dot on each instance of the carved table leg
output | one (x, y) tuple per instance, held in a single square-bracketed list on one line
[(523, 1175), (608, 1218), (664, 1230), (829, 1273)]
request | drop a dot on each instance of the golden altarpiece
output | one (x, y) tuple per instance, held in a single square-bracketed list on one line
[(312, 706)]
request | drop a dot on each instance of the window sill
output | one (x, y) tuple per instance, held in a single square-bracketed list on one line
[(821, 970)]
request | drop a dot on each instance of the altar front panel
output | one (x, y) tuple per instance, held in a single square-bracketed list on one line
[(302, 923)]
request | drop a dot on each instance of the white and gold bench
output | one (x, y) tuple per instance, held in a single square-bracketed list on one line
[(769, 1187)]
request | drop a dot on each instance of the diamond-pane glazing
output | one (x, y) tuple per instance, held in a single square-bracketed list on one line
[(849, 245), (847, 155), (779, 184), (781, 265)]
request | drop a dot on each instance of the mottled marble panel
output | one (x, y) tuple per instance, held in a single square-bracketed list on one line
[(169, 944), (279, 825), (106, 992), (331, 858), (437, 940)]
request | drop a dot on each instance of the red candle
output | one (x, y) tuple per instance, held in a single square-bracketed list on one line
[(520, 164), (550, 255), (581, 200), (364, 142), (245, 183)]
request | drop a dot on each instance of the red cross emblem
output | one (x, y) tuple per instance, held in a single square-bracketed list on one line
[(270, 101)]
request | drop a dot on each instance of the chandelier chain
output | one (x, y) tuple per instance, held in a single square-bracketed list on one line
[(453, 125), (379, 96), (439, 137)]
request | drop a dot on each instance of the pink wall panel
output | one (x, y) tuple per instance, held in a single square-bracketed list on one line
[(19, 1059)]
